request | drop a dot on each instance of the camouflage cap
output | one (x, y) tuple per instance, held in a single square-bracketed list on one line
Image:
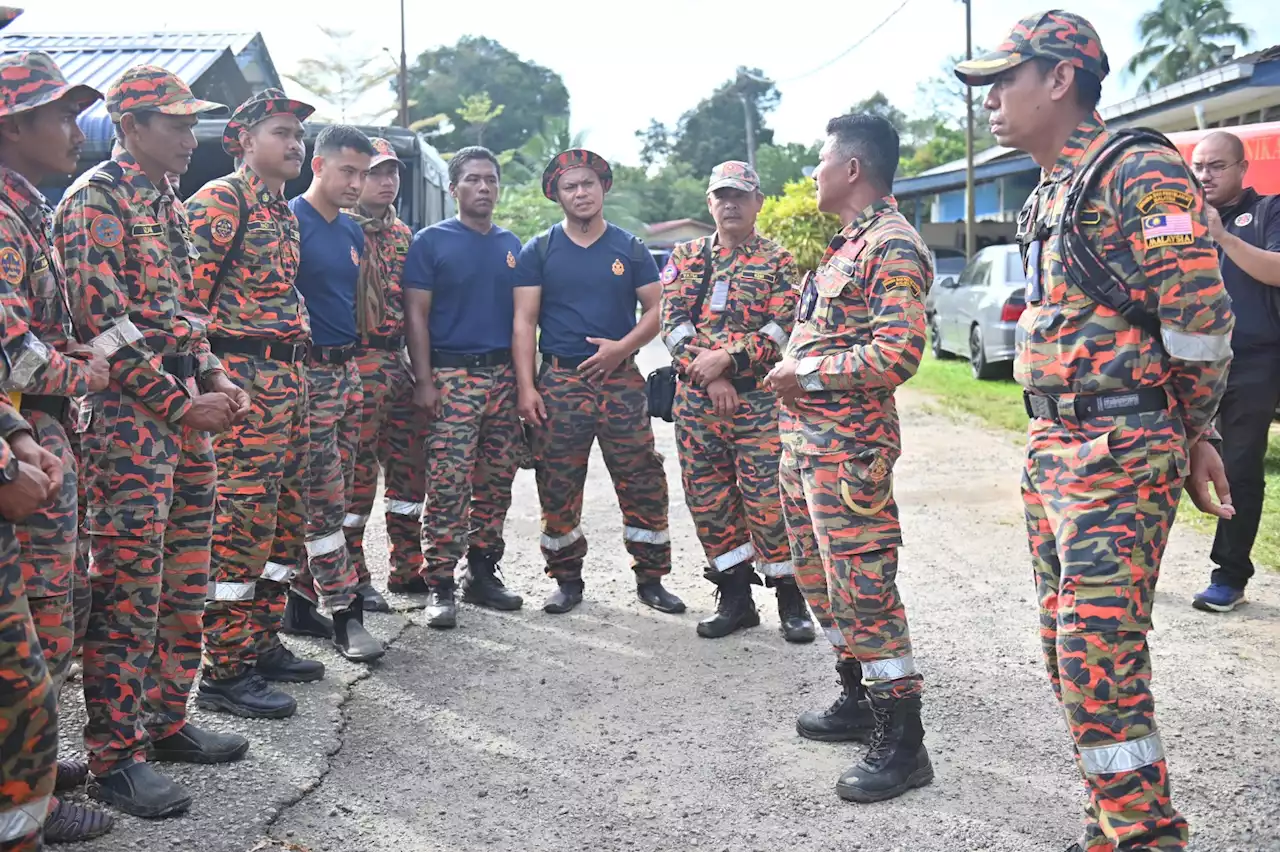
[(259, 108), (383, 152), (1061, 36), (32, 79), (734, 174), (8, 14), (149, 87), (572, 159)]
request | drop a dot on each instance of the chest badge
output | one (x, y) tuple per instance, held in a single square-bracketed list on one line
[(12, 267), (511, 260), (618, 268), (355, 258), (1243, 219)]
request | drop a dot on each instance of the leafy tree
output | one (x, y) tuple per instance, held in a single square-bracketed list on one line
[(944, 97), (937, 146), (657, 143), (715, 130), (477, 112), (440, 79), (794, 221), (878, 104), (344, 76), (525, 211), (1183, 38), (529, 161), (778, 165), (671, 193)]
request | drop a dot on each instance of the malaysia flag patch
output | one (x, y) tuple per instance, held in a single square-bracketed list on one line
[(1167, 229)]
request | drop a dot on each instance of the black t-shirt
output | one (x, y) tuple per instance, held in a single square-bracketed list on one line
[(1255, 305)]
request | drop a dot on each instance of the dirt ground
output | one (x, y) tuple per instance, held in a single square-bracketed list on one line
[(616, 728)]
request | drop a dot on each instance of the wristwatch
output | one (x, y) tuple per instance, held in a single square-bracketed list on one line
[(10, 471)]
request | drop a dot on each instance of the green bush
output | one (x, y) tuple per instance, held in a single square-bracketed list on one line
[(793, 221)]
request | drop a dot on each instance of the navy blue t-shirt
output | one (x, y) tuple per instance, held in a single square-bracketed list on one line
[(586, 292), (469, 275), (1255, 305), (329, 273)]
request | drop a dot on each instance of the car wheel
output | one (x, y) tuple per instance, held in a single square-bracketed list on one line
[(982, 369), (935, 340)]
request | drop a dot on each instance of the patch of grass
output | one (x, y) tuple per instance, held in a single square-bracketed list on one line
[(999, 404)]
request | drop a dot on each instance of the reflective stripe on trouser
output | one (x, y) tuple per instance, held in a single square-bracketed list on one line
[(333, 400), (729, 470), (150, 489), (392, 436), (471, 463), (844, 543), (614, 412), (1096, 584), (259, 516), (28, 711)]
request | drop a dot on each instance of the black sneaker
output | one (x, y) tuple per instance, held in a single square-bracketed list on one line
[(138, 789), (70, 822), (482, 586), (72, 772), (246, 695), (283, 666)]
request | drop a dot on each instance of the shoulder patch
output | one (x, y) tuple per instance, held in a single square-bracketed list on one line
[(1162, 197), (1167, 229), (107, 231), (900, 281), (222, 228), (669, 272), (12, 266)]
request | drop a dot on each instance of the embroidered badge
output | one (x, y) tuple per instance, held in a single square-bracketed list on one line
[(1161, 197), (1243, 219), (147, 229), (669, 273), (355, 258), (511, 260), (222, 229), (878, 470), (107, 231), (899, 281), (12, 266), (618, 268), (1167, 229)]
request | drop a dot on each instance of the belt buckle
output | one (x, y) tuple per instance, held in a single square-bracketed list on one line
[(1040, 407)]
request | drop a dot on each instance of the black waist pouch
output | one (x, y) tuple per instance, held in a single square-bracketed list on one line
[(661, 390)]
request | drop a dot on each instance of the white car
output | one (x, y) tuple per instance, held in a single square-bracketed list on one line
[(976, 315)]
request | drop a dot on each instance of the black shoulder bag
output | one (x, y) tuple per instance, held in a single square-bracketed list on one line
[(661, 383)]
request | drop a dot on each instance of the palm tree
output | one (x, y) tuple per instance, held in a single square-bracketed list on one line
[(1182, 38)]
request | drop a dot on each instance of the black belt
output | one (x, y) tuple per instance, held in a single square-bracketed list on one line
[(454, 360), (55, 406), (179, 366), (561, 363), (386, 344), (270, 349), (1089, 406), (332, 355)]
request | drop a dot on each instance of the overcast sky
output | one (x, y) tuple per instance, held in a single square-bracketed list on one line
[(626, 63)]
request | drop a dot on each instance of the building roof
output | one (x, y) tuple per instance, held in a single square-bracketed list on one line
[(226, 67)]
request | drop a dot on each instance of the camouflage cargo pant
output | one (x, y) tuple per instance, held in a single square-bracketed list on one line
[(842, 521), (471, 457), (28, 712), (257, 527), (333, 400), (1100, 500), (392, 435), (81, 589), (150, 494), (729, 470), (616, 413)]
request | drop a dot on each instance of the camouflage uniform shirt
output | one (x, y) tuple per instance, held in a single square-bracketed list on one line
[(380, 305)]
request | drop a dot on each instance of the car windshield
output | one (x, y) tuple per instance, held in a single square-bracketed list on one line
[(1013, 268), (948, 265)]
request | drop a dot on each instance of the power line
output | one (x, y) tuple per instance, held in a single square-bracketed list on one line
[(847, 50)]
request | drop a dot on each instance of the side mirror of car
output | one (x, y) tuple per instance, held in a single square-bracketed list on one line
[(947, 283)]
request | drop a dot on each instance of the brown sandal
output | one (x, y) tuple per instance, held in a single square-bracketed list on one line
[(69, 822)]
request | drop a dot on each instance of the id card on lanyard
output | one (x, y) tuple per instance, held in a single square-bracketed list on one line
[(1035, 288)]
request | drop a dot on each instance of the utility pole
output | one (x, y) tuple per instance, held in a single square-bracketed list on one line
[(743, 77), (969, 216), (404, 75)]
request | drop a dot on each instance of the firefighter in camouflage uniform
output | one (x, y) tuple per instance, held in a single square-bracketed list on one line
[(149, 470), (859, 334), (246, 240), (391, 433), (728, 304), (1123, 355)]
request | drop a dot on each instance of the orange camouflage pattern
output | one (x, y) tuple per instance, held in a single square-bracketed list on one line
[(572, 159), (257, 109), (729, 465), (1057, 35), (31, 79), (859, 334), (150, 87), (1101, 494), (380, 298)]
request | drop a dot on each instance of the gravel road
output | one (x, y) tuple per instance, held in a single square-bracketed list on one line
[(616, 728)]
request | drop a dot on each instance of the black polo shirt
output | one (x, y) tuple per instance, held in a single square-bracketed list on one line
[(1255, 305)]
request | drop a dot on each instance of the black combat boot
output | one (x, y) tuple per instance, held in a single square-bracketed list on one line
[(849, 718), (652, 594), (896, 760), (415, 585), (351, 639), (301, 618), (735, 609), (196, 745), (138, 789), (797, 626), (567, 595), (482, 586), (442, 607), (281, 665), (373, 599), (246, 695)]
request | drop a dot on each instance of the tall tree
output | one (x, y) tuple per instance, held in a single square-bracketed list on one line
[(779, 165), (673, 192), (715, 130), (345, 76), (477, 113), (1183, 38), (655, 143), (878, 104), (440, 79)]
